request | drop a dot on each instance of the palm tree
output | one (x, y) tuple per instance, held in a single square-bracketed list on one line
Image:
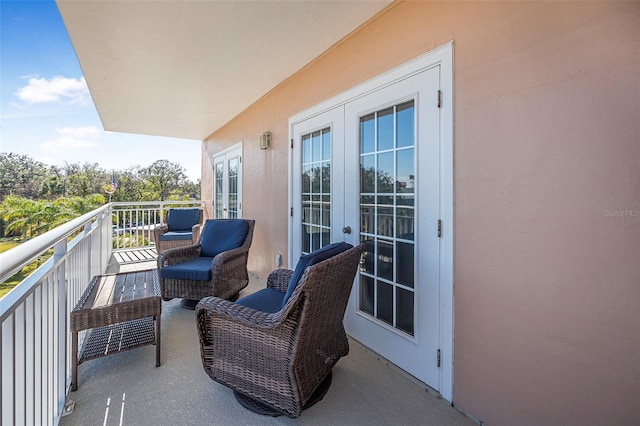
[(21, 215)]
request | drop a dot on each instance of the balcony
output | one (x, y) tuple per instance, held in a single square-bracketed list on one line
[(127, 388)]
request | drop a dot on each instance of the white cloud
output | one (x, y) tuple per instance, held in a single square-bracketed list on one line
[(72, 138), (79, 132), (42, 90), (66, 143)]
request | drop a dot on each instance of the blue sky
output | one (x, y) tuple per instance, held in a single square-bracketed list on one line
[(46, 110)]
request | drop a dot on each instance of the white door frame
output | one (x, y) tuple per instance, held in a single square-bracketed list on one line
[(442, 56)]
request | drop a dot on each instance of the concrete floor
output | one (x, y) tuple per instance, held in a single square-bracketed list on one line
[(127, 388)]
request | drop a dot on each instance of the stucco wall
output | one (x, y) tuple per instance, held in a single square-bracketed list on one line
[(547, 195)]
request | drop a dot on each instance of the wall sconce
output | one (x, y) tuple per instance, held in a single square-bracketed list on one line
[(265, 140)]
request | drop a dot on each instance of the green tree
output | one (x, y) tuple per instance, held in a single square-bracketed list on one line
[(85, 179), (54, 185), (192, 190), (164, 179), (21, 175), (131, 187)]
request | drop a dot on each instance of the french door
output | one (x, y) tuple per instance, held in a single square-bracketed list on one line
[(227, 184), (368, 170)]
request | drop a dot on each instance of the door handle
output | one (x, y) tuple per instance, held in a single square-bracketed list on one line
[(346, 230)]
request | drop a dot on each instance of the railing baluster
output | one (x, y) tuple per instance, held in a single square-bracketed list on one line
[(8, 381), (37, 354), (29, 360)]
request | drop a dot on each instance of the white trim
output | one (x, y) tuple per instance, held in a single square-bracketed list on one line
[(236, 146), (442, 56), (387, 78), (447, 207)]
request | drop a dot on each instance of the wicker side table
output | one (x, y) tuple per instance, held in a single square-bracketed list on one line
[(121, 309)]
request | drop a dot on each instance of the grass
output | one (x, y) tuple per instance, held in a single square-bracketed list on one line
[(6, 286), (7, 243)]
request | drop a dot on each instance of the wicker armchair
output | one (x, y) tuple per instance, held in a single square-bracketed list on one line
[(215, 266), (278, 359), (182, 229)]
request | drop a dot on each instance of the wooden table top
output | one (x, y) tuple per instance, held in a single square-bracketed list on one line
[(116, 298), (119, 288)]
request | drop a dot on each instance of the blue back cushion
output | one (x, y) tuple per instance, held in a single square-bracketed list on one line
[(312, 258), (219, 235), (182, 219), (266, 300)]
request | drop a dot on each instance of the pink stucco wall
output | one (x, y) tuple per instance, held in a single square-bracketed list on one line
[(547, 195)]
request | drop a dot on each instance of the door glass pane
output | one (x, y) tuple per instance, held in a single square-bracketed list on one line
[(219, 170), (404, 124), (306, 149), (326, 146), (368, 256), (385, 218), (405, 176), (316, 144), (404, 264), (326, 210), (315, 179), (384, 302), (306, 179), (387, 215), (325, 178), (367, 134), (384, 257), (306, 217), (233, 188), (366, 294), (385, 129), (384, 173), (367, 214), (316, 190), (404, 308), (316, 235), (368, 174), (405, 214)]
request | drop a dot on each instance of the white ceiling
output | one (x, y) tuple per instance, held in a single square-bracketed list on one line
[(185, 68)]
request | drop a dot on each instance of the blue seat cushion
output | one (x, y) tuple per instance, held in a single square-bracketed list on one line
[(176, 235), (265, 300), (312, 258), (182, 219), (198, 269), (219, 235)]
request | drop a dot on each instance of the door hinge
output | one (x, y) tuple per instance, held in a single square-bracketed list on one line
[(439, 98), (438, 358), (291, 143), (291, 211), (439, 228)]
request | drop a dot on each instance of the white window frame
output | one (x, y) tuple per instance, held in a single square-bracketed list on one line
[(238, 147)]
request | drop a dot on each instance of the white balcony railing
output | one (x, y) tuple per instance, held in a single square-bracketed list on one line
[(35, 363), (35, 356)]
